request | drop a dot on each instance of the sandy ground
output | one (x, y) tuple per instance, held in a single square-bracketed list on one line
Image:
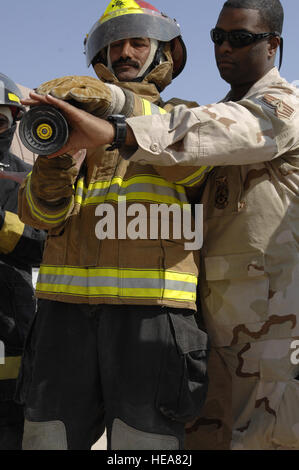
[(101, 444)]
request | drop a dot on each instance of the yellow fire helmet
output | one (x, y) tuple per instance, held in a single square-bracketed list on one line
[(131, 19)]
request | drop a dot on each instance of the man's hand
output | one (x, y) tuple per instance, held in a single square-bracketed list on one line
[(86, 131), (16, 176)]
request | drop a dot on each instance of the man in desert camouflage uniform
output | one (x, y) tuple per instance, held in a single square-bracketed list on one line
[(250, 273)]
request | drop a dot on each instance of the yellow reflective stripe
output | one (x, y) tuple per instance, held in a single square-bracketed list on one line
[(195, 177), (80, 183), (142, 179), (10, 370), (147, 197), (56, 218), (150, 108), (115, 292), (87, 196), (114, 282), (179, 295), (118, 272), (146, 106), (199, 172), (10, 233), (105, 291)]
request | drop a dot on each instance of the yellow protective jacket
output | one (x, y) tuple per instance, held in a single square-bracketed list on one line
[(77, 267)]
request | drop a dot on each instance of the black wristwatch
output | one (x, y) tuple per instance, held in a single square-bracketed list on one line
[(120, 126)]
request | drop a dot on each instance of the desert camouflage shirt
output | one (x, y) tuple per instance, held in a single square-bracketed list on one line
[(250, 278)]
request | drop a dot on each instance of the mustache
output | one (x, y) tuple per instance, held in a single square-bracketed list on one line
[(127, 61)]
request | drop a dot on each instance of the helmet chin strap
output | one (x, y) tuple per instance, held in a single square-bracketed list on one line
[(151, 56), (154, 46)]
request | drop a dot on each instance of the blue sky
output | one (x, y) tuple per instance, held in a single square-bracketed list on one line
[(42, 40)]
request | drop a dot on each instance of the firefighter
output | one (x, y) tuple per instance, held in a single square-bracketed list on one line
[(249, 281), (115, 342), (20, 248)]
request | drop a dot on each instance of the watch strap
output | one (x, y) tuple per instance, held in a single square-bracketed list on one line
[(120, 126)]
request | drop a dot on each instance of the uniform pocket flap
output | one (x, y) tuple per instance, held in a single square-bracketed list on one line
[(240, 266), (187, 334)]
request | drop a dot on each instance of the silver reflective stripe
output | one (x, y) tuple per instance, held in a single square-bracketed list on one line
[(145, 191), (120, 282), (156, 110), (115, 282), (133, 188), (150, 108)]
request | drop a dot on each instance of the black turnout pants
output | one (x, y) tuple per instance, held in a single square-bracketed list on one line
[(92, 367), (17, 308)]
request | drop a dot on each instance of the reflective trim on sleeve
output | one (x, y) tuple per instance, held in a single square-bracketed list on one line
[(114, 282), (52, 219), (196, 177), (10, 370), (138, 188), (150, 108)]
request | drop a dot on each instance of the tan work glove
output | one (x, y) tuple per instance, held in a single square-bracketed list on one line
[(60, 173), (90, 93)]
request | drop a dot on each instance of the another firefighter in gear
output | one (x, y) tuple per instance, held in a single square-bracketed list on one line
[(115, 342), (20, 248), (250, 277)]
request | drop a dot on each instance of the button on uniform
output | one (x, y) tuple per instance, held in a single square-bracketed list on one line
[(155, 148)]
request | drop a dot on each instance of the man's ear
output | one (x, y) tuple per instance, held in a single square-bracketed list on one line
[(273, 45)]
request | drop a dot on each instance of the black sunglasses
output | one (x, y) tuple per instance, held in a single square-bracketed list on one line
[(237, 38), (242, 38)]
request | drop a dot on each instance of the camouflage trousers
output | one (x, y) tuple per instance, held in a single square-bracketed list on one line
[(252, 401)]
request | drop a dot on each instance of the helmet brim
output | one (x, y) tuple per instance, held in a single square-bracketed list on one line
[(137, 25), (179, 55), (10, 94)]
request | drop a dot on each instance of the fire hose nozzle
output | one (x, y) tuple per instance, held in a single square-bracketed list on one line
[(43, 130)]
